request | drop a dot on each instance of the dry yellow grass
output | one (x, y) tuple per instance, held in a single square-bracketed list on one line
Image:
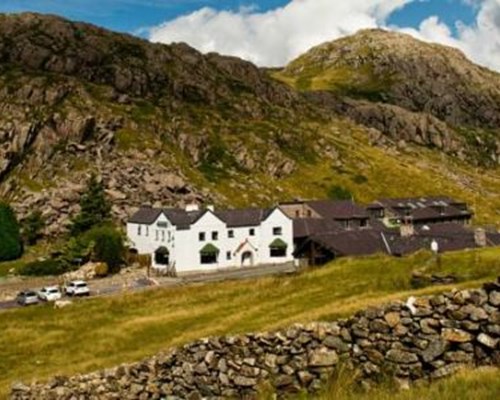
[(40, 342)]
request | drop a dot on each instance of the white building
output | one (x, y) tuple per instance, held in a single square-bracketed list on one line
[(189, 240)]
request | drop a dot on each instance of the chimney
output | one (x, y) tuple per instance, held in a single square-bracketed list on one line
[(480, 237), (192, 207), (211, 207), (407, 229)]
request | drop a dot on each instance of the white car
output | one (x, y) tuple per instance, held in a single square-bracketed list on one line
[(77, 288), (50, 293)]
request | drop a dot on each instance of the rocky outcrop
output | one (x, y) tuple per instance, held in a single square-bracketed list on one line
[(407, 88), (421, 340)]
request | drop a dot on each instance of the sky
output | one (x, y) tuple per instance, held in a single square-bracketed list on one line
[(273, 32)]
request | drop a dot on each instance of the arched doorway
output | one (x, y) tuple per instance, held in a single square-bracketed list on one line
[(247, 259), (162, 256)]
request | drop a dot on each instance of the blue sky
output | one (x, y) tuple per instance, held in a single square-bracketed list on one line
[(273, 32), (131, 15)]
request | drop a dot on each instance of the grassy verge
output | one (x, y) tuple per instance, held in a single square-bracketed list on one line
[(480, 384), (40, 342)]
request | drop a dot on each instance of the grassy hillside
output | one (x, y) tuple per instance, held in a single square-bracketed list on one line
[(40, 342)]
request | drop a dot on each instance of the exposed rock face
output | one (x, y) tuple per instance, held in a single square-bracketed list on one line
[(75, 98), (436, 95), (391, 339)]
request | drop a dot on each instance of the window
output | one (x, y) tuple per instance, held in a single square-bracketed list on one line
[(363, 223), (162, 225), (162, 236), (215, 235), (297, 214), (277, 231), (201, 236), (138, 230), (157, 235), (278, 252), (309, 213), (230, 234), (278, 248), (228, 255), (252, 232), (208, 259), (147, 230)]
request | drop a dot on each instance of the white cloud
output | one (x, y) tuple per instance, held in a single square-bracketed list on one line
[(275, 37)]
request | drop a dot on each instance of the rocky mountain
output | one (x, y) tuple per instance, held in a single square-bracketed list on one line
[(411, 90), (168, 125)]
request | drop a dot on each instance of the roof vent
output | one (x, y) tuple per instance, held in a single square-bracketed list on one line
[(192, 207)]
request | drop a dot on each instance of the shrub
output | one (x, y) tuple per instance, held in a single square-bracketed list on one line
[(43, 268), (108, 247), (11, 247), (359, 179), (101, 269), (337, 192), (32, 227), (144, 260)]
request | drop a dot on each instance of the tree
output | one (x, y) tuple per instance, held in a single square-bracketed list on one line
[(32, 227), (108, 247), (11, 246), (94, 207)]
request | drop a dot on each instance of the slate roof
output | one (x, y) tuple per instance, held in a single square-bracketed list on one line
[(183, 219), (342, 209), (352, 243), (424, 208), (145, 216), (449, 236), (243, 217), (304, 227)]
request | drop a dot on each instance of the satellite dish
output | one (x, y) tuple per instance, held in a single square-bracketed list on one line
[(434, 246)]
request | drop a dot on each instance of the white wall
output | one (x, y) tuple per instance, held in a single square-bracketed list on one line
[(184, 245), (276, 219)]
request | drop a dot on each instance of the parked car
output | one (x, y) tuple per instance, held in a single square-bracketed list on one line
[(27, 297), (50, 293), (77, 288)]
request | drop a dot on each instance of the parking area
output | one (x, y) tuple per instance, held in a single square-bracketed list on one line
[(133, 281)]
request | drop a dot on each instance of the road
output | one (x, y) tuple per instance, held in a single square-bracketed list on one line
[(144, 283)]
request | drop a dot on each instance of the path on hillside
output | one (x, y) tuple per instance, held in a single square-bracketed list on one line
[(121, 284)]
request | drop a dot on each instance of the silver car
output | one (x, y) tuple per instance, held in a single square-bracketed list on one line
[(27, 297)]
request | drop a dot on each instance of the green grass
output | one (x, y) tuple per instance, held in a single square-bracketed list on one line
[(480, 384), (40, 342)]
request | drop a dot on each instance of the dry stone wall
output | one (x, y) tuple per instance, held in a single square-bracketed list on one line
[(422, 339)]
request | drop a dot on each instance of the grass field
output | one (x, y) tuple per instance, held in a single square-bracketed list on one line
[(480, 384), (40, 342)]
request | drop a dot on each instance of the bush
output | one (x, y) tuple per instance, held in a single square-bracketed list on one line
[(11, 246), (108, 247), (32, 227), (43, 268), (337, 192), (101, 270), (144, 260)]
